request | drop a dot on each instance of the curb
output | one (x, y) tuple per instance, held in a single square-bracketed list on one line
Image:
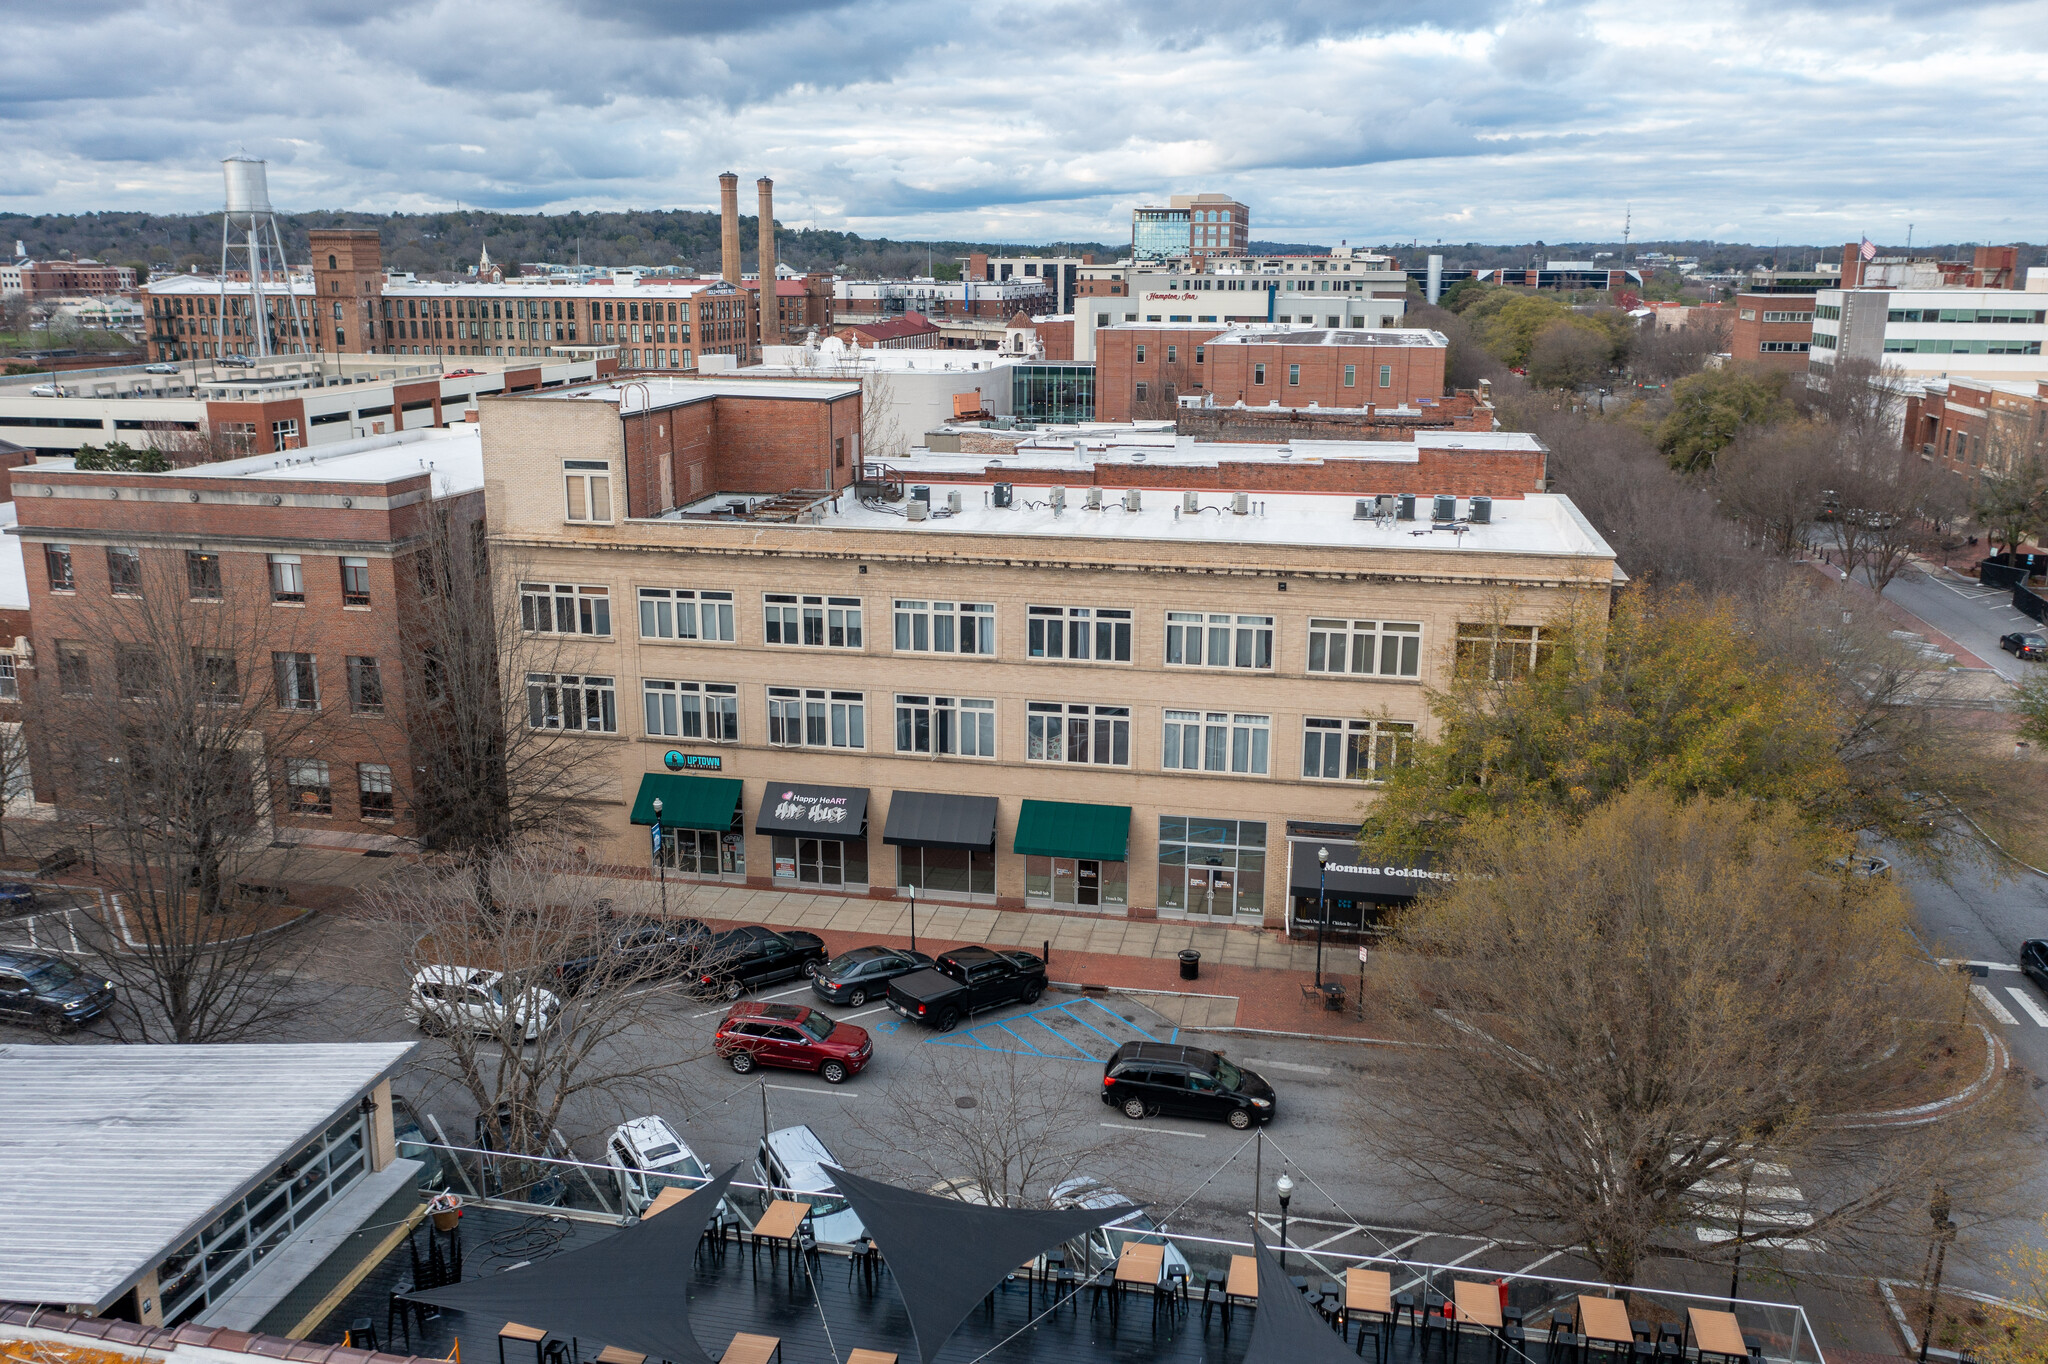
[(2000, 846), (1898, 1313), (1996, 1059)]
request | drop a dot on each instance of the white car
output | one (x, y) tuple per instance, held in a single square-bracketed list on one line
[(647, 1156), (791, 1163), (461, 999), (161, 367), (1104, 1246), (47, 391)]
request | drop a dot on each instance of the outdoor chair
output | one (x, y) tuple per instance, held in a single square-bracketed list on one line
[(1404, 1306), (1567, 1345), (1214, 1296), (1067, 1283), (1332, 1300), (1642, 1329), (1756, 1348), (405, 1312), (1435, 1326), (1669, 1331), (1177, 1286), (1379, 1328)]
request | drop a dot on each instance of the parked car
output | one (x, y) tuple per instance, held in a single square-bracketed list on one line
[(459, 998), (792, 1164), (1143, 1078), (2034, 961), (853, 978), (17, 897), (647, 1156), (160, 367), (234, 362), (51, 992), (458, 373), (637, 950), (48, 391), (1103, 1247), (791, 1037), (964, 982), (740, 959), (2025, 644)]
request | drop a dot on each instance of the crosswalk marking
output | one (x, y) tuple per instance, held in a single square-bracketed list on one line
[(1760, 1206), (2026, 1002), (1999, 1013)]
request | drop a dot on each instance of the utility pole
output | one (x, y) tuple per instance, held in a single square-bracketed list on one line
[(1944, 1232)]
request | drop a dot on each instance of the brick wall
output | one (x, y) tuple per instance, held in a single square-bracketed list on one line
[(1460, 412), (1174, 362), (1414, 373)]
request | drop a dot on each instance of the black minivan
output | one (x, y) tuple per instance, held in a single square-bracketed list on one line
[(1143, 1078)]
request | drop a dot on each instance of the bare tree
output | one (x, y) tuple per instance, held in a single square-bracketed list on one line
[(2012, 501), (1568, 354), (1862, 401), (14, 772), (1890, 508), (529, 987), (182, 447), (999, 1131), (1664, 354), (171, 731), (881, 425), (1772, 480), (1624, 1014)]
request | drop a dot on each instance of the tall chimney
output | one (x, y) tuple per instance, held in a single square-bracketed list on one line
[(729, 227), (771, 329)]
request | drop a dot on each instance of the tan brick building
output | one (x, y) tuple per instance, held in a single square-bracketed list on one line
[(1016, 694)]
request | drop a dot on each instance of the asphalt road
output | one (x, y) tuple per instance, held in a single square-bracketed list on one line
[(1971, 614)]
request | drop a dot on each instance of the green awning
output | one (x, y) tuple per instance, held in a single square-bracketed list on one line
[(688, 802), (1057, 828)]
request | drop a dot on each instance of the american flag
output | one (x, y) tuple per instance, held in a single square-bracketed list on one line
[(1869, 250)]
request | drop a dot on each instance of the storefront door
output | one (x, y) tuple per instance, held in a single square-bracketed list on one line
[(820, 862), (700, 852), (1074, 882), (1212, 890)]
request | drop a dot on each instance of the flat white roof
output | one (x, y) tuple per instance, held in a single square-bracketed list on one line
[(1278, 334), (13, 568), (1086, 449), (112, 1156), (453, 454), (1539, 523), (663, 392), (525, 287)]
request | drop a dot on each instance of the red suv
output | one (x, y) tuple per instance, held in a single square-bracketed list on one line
[(792, 1037)]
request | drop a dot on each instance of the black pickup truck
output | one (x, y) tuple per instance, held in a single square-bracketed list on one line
[(965, 981)]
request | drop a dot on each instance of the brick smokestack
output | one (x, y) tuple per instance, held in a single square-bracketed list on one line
[(771, 329), (729, 227)]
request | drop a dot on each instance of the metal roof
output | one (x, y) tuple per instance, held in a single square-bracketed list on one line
[(114, 1155)]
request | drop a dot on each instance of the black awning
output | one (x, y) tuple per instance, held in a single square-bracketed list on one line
[(815, 811), (929, 819), (1390, 881)]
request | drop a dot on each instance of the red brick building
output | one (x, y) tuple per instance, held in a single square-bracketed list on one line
[(43, 279), (325, 547), (912, 331), (801, 306), (1772, 331), (1143, 371), (1975, 426)]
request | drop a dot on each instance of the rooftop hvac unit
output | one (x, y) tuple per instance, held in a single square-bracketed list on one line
[(1059, 496), (915, 510), (1363, 511), (1482, 511), (1241, 504), (1132, 500), (953, 502), (1189, 504), (1407, 508), (1443, 507), (921, 492), (1003, 494), (1094, 499)]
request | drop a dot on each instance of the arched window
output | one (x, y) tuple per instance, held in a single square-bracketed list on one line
[(330, 261)]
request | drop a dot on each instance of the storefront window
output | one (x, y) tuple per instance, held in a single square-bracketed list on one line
[(1076, 882), (701, 852), (1213, 867), (821, 861), (947, 873)]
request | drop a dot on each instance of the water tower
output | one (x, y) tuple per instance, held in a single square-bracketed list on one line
[(250, 241)]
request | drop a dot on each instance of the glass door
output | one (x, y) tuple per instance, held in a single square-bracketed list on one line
[(1212, 890), (820, 862)]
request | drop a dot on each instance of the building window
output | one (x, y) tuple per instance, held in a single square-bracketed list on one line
[(216, 677), (1782, 347), (569, 701), (1386, 376), (961, 726), (373, 790), (819, 622), (1356, 750), (1212, 866), (1200, 349), (124, 571), (1499, 653), (1258, 374), (1141, 392), (565, 609), (365, 686), (1217, 741), (1141, 355), (355, 582), (298, 685), (588, 486), (307, 791), (1351, 376), (691, 710), (1057, 733), (10, 683), (284, 435), (57, 559), (674, 613), (812, 717), (1082, 633), (1172, 354), (135, 672), (287, 578), (74, 668), (1196, 640), (943, 627), (1365, 647), (202, 576), (1294, 376)]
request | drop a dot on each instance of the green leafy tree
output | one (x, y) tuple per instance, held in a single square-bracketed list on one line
[(1709, 409), (1512, 329), (1567, 354), (118, 457)]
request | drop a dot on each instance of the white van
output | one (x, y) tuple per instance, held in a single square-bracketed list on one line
[(791, 1163), (647, 1156)]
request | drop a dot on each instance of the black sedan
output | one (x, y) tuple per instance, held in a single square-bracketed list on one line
[(2034, 960), (853, 978), (2025, 643), (50, 992), (740, 959), (639, 951)]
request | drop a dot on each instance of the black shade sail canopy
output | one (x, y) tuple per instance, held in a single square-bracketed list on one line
[(930, 819), (946, 1255), (1285, 1329), (625, 1290), (794, 807)]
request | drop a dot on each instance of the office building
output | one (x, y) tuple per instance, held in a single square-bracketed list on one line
[(1146, 370), (1936, 332), (1973, 427), (1196, 226)]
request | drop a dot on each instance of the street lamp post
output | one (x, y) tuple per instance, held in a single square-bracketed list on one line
[(1944, 1232), (913, 917), (1285, 1188), (660, 867), (1322, 908)]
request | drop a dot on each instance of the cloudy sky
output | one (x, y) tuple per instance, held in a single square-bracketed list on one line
[(1372, 120)]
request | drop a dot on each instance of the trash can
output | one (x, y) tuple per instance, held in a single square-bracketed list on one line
[(1190, 964)]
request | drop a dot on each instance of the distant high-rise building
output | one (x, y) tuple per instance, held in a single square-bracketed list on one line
[(1198, 226)]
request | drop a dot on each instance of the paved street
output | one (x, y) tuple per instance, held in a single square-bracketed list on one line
[(1971, 614)]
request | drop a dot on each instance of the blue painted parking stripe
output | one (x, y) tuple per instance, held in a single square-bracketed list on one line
[(1068, 1010), (1078, 1052), (1020, 1041)]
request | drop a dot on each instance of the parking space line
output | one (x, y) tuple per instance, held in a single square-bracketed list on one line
[(1020, 1041), (1162, 1131), (878, 1009), (1068, 1010), (813, 1089)]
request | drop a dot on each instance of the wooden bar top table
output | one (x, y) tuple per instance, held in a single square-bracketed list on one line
[(780, 1226), (1141, 1263), (1369, 1290), (1479, 1303), (746, 1349), (530, 1335), (870, 1357), (1244, 1279), (612, 1354), (1605, 1320), (1717, 1333)]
